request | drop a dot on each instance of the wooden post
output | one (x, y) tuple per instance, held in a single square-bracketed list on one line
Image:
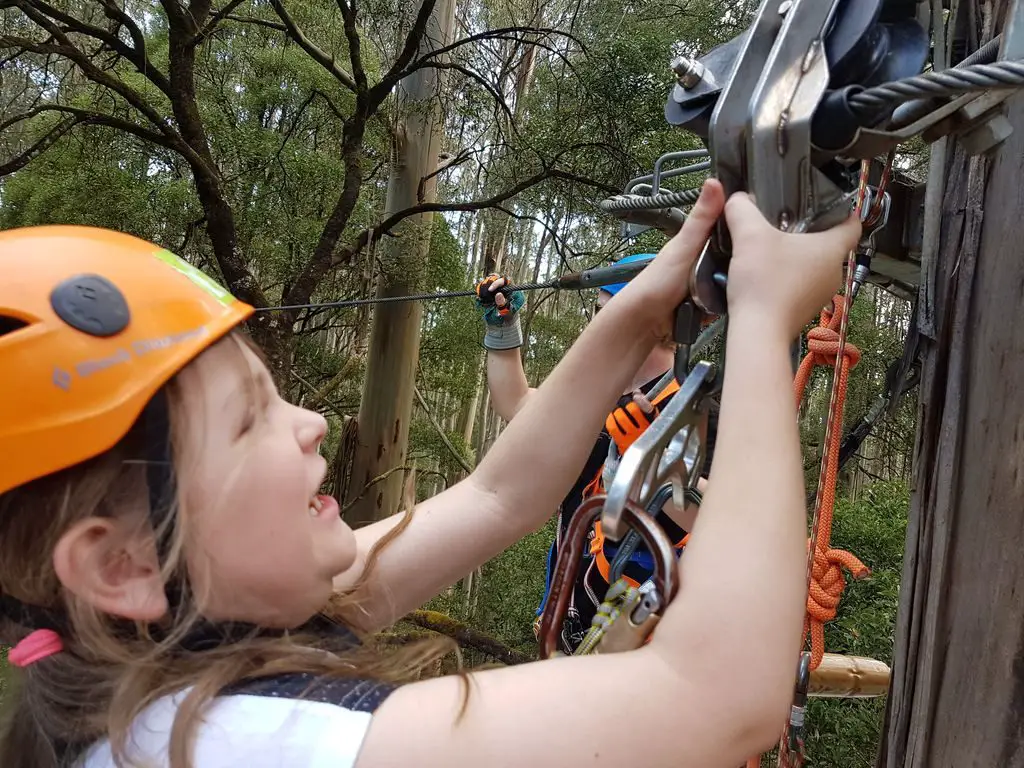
[(957, 696)]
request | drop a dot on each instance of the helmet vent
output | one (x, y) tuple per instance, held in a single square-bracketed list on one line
[(10, 324)]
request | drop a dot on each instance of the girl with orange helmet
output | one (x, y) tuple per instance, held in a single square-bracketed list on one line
[(165, 552)]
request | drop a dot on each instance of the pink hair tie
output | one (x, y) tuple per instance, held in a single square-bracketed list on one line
[(36, 646)]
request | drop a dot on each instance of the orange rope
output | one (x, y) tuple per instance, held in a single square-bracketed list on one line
[(827, 579), (825, 564)]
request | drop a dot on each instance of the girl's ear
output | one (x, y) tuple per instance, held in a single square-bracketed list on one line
[(112, 564)]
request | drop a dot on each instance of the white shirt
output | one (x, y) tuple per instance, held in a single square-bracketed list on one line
[(264, 726)]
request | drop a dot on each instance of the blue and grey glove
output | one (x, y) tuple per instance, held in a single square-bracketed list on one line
[(502, 319)]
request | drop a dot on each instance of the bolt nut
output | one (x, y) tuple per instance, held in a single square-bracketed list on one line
[(689, 72)]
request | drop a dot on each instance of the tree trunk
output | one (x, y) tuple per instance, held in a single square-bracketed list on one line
[(386, 405), (957, 695)]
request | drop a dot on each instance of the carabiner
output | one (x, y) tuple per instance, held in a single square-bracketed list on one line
[(671, 450), (795, 730), (664, 582)]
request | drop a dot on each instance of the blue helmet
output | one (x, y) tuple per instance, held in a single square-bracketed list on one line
[(616, 287)]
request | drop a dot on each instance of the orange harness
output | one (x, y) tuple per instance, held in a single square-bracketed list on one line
[(625, 424)]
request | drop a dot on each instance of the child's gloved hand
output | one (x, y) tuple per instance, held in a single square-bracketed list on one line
[(501, 312), (496, 305), (627, 423)]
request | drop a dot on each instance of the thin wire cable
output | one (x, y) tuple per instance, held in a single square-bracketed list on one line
[(410, 297)]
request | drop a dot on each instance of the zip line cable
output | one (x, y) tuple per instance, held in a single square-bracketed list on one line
[(411, 297)]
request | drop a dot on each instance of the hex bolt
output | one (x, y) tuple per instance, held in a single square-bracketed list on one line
[(689, 72)]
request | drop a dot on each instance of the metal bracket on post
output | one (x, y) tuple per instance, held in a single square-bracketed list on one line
[(989, 126)]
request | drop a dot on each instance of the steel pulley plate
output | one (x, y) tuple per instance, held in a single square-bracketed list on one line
[(687, 105), (860, 50)]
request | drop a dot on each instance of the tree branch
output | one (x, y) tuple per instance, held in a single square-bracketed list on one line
[(40, 146), (451, 162), (440, 432), (311, 48), (258, 22), (505, 33), (94, 118), (384, 227), (319, 396), (466, 636), (65, 49), (489, 87), (380, 91), (321, 261), (175, 13), (378, 479), (355, 55), (134, 55), (217, 17)]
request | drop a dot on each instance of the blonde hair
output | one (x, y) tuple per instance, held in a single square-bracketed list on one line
[(110, 671)]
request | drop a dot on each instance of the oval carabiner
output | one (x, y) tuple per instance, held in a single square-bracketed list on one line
[(570, 558)]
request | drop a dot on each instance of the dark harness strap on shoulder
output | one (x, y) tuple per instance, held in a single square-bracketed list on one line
[(355, 694)]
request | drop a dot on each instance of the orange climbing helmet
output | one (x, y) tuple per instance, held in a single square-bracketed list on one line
[(92, 324)]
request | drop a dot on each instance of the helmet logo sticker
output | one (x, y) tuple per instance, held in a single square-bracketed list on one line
[(84, 368), (91, 304), (62, 378)]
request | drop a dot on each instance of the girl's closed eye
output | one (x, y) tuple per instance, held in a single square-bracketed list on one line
[(248, 420), (256, 401)]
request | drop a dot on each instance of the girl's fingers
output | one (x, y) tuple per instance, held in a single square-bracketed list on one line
[(842, 238)]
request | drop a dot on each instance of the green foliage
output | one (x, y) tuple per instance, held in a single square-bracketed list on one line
[(275, 118), (513, 584), (848, 732), (100, 182)]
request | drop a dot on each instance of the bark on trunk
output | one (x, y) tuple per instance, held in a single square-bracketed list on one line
[(958, 670)]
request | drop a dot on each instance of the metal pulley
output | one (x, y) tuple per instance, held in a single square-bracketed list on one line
[(789, 107), (865, 42)]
